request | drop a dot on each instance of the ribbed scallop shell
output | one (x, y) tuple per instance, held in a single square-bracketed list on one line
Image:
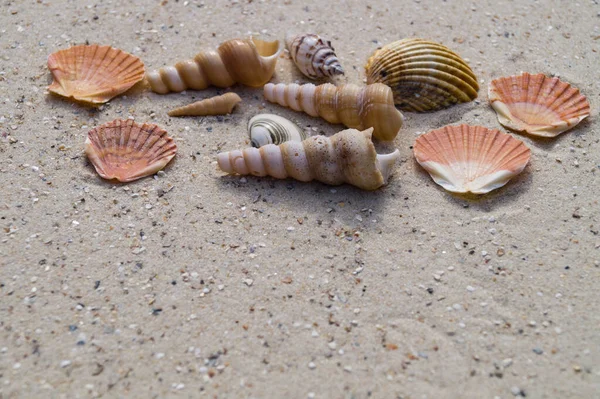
[(273, 129), (247, 61), (358, 107), (537, 104), (126, 151), (314, 57), (93, 73), (346, 157), (424, 75), (471, 158), (218, 105)]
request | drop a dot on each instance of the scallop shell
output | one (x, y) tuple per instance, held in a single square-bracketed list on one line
[(471, 158), (126, 151), (354, 106), (537, 104), (218, 105), (93, 73), (346, 157), (314, 57), (424, 75), (273, 129), (247, 61)]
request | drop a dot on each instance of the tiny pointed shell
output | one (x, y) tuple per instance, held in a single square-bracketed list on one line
[(354, 106), (424, 75), (247, 61), (314, 57), (346, 157), (125, 151), (537, 104), (93, 73), (471, 158), (273, 129), (218, 105)]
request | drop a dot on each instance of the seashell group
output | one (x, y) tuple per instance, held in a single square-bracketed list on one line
[(424, 75), (314, 57), (218, 105), (247, 61), (93, 73), (125, 151), (537, 104), (346, 157), (354, 106), (471, 158), (272, 129)]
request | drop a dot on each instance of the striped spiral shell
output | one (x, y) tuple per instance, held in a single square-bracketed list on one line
[(314, 57), (354, 106), (346, 157), (247, 61), (273, 129)]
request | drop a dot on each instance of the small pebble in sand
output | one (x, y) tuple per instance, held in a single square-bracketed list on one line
[(248, 282), (312, 366), (538, 351)]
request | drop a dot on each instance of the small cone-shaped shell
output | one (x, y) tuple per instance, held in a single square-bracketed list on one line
[(537, 104), (247, 61), (218, 105), (93, 73), (346, 157), (354, 106), (424, 75), (472, 159), (315, 58), (126, 151), (273, 129)]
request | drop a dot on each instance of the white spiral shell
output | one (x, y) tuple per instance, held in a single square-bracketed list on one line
[(346, 157), (273, 129), (314, 57)]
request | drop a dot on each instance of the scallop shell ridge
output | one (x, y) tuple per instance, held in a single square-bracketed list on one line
[(471, 158)]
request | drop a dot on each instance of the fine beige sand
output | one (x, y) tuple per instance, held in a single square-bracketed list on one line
[(195, 284)]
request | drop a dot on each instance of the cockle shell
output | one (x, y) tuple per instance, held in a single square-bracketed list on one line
[(93, 73), (471, 158), (218, 105), (314, 57), (424, 75), (346, 157), (247, 61), (126, 151), (537, 104), (273, 129), (354, 106)]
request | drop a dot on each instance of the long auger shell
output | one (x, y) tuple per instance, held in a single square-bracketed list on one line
[(313, 56), (472, 159), (424, 75), (218, 105), (346, 157), (93, 73), (125, 151), (537, 104)]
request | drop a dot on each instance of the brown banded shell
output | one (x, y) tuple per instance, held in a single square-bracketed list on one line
[(218, 105), (93, 73), (537, 104), (314, 57), (424, 75), (125, 151)]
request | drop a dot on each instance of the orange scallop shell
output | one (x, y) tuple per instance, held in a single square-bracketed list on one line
[(472, 159), (93, 73), (126, 151), (537, 104)]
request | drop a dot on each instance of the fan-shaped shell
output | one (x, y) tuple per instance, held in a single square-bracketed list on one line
[(126, 151), (273, 129), (93, 73), (218, 105), (537, 104), (471, 158), (314, 57), (424, 75)]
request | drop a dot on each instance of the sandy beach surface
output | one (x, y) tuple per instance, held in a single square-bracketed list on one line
[(193, 284)]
